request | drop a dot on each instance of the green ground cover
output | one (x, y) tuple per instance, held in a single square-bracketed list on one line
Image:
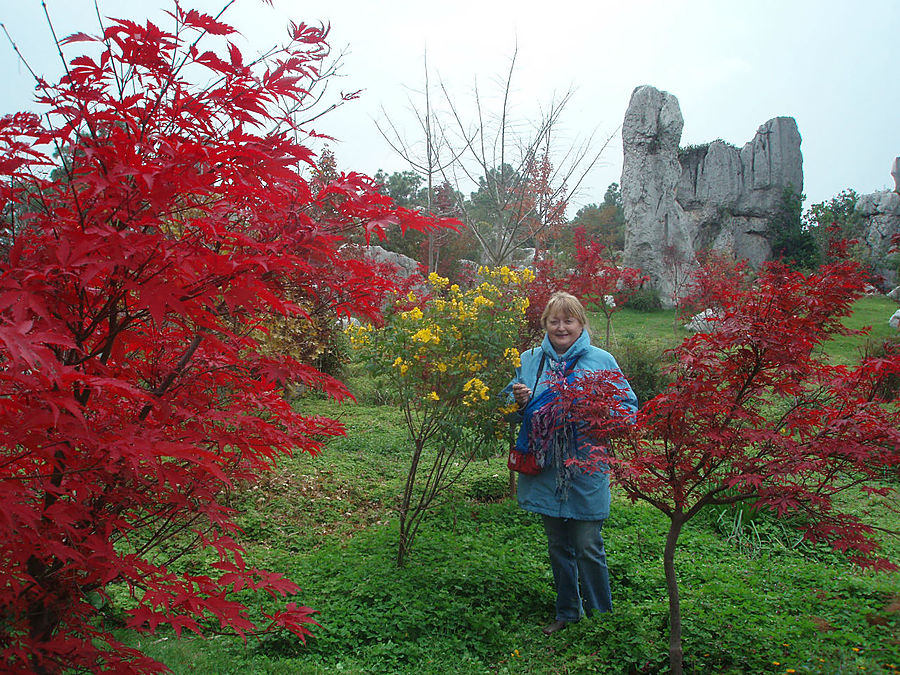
[(477, 588)]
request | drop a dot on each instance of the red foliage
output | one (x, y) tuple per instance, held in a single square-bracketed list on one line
[(717, 276), (134, 277), (758, 414), (597, 280), (540, 206)]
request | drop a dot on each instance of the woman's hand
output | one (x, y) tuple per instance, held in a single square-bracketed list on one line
[(521, 394)]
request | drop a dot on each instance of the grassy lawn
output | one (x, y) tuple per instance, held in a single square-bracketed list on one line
[(477, 587)]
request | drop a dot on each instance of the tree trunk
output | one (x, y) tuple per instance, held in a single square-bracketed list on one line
[(676, 654), (512, 484), (405, 520)]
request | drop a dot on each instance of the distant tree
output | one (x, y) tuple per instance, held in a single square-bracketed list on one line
[(790, 241), (604, 223), (441, 249), (838, 220), (403, 187)]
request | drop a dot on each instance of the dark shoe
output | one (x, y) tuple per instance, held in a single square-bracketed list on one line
[(553, 627)]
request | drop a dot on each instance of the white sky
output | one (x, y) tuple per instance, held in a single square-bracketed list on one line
[(733, 65)]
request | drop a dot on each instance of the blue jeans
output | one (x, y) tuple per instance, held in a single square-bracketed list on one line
[(578, 561)]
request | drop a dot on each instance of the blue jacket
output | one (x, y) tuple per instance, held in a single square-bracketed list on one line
[(588, 494)]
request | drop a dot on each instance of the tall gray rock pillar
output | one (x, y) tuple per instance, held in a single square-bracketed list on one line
[(656, 240)]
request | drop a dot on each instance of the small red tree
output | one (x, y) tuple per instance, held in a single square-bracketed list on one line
[(717, 276), (541, 207), (757, 414), (137, 269), (597, 279), (548, 279)]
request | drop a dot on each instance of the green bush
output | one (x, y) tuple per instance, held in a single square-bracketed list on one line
[(488, 488), (645, 300), (644, 363)]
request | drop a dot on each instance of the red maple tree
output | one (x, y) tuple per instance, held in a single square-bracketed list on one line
[(599, 281), (757, 414), (149, 227)]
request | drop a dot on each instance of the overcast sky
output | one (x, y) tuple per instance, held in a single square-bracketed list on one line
[(830, 64)]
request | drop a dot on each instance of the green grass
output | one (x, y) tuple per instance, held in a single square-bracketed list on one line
[(477, 587), (870, 313)]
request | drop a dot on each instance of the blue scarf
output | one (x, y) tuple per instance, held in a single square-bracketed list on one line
[(548, 437)]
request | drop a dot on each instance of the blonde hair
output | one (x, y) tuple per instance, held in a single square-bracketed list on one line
[(565, 304)]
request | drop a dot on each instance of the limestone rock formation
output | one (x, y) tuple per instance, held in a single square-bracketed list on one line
[(406, 266), (729, 195), (655, 237), (722, 197), (881, 211)]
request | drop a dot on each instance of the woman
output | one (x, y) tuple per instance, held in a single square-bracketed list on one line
[(573, 503)]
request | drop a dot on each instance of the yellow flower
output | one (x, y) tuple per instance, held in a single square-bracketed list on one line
[(397, 362), (403, 369), (437, 280), (513, 356), (415, 314), (441, 366), (426, 335), (433, 396), (411, 297)]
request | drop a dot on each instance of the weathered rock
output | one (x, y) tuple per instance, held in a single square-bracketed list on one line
[(722, 197), (729, 195), (881, 212), (894, 321), (655, 237), (771, 162), (704, 322), (405, 265)]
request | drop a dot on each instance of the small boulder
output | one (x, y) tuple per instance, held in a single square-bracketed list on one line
[(704, 322)]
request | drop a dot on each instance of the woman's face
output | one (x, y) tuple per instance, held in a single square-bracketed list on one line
[(563, 331)]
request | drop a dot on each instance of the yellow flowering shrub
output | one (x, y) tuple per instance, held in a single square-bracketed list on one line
[(445, 353), (454, 348)]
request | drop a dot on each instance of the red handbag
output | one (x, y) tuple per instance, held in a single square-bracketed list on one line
[(523, 462)]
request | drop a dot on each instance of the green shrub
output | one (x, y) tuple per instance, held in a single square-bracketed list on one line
[(488, 488), (645, 300), (644, 363)]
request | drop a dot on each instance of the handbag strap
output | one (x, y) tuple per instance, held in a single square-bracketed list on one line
[(537, 378)]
